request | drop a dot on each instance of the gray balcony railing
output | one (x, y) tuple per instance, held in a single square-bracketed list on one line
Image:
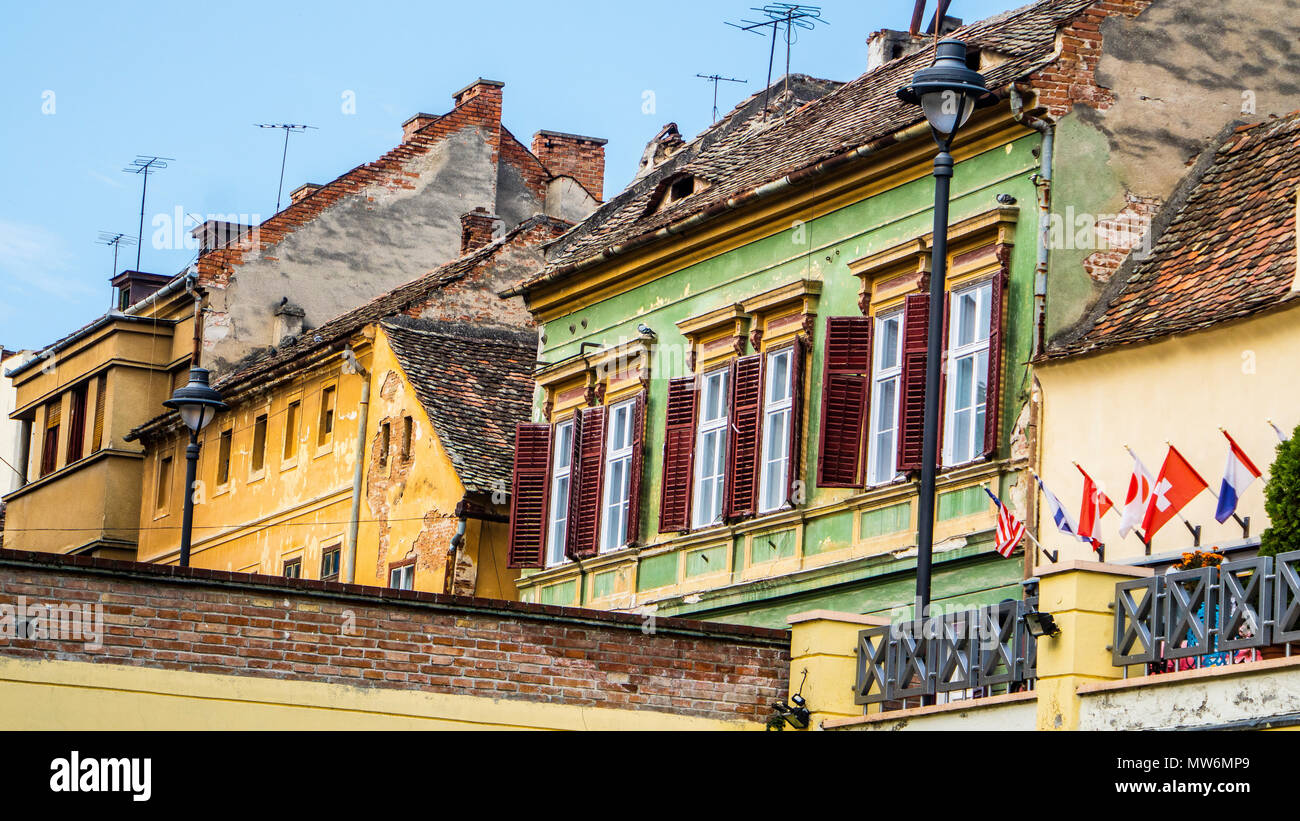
[(1210, 614), (973, 653)]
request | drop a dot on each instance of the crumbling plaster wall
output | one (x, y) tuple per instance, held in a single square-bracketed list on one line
[(1177, 74)]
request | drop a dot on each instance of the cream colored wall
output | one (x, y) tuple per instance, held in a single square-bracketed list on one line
[(68, 695), (1180, 389)]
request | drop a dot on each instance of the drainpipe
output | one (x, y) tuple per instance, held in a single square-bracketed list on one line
[(1043, 182), (354, 520), (198, 321)]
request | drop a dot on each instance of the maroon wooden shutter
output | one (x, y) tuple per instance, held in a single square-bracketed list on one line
[(943, 378), (679, 456), (993, 399), (584, 508), (637, 465), (796, 494), (846, 381), (742, 446), (911, 422), (532, 473)]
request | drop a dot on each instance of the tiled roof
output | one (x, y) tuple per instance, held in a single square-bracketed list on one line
[(853, 115), (1228, 252), (475, 383)]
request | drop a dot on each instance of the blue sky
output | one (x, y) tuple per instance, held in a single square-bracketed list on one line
[(88, 86)]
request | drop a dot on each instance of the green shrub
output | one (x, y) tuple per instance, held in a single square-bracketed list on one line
[(1282, 500)]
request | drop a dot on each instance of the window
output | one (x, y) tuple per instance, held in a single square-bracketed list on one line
[(329, 563), (223, 457), (711, 449), (777, 396), (618, 471), (408, 428), (325, 429), (402, 577), (886, 371), (291, 430), (163, 491), (50, 447), (968, 370), (558, 516), (293, 569), (77, 424), (259, 444), (385, 433)]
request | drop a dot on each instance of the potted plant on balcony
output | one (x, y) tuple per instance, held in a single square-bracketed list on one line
[(1282, 503)]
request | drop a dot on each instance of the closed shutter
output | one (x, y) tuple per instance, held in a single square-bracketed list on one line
[(679, 456), (97, 432), (637, 465), (742, 450), (916, 321), (846, 380), (795, 493), (532, 472), (584, 516), (993, 399)]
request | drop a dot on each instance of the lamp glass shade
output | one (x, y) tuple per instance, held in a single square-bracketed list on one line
[(947, 110), (197, 417)]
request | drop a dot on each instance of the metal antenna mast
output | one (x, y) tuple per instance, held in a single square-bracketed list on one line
[(288, 129), (716, 78), (115, 239), (144, 166), (789, 15)]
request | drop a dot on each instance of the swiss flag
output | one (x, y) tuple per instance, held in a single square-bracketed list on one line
[(1177, 484)]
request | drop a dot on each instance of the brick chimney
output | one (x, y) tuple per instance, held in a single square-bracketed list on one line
[(304, 190), (415, 124), (582, 158), (477, 229)]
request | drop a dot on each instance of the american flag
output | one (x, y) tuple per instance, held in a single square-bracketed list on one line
[(1010, 529)]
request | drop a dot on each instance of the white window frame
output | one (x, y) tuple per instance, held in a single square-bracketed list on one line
[(614, 511), (715, 429), (557, 510), (880, 377), (777, 408), (404, 577), (957, 353)]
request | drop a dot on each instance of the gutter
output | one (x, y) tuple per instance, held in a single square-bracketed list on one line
[(1043, 182)]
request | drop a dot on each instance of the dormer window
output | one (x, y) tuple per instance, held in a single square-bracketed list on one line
[(681, 189), (675, 189)]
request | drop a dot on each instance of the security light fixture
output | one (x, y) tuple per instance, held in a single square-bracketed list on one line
[(198, 404), (1041, 624)]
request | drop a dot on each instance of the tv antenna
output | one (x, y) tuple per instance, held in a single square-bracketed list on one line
[(144, 166), (791, 16), (288, 129), (718, 78), (115, 239)]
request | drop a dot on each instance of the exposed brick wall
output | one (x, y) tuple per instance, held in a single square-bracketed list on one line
[(225, 623), (476, 229), (582, 158), (1072, 78)]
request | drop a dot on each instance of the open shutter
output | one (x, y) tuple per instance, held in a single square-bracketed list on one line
[(943, 378), (742, 446), (97, 431), (532, 473), (584, 507), (846, 381), (679, 456), (916, 320), (638, 462), (993, 399), (796, 493)]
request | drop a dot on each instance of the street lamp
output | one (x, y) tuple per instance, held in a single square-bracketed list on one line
[(948, 92), (199, 405)]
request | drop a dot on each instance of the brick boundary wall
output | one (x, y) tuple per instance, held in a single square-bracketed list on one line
[(225, 623)]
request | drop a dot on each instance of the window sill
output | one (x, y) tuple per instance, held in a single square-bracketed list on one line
[(253, 478), (289, 465), (324, 450)]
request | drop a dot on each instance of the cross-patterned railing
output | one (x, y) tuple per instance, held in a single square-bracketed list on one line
[(1210, 613), (967, 654)]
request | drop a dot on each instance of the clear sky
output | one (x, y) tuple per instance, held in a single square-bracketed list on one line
[(86, 86)]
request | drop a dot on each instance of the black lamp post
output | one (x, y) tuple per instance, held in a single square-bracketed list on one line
[(198, 404), (947, 92)]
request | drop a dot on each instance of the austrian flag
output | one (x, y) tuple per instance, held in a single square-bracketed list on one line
[(1237, 476), (1177, 484)]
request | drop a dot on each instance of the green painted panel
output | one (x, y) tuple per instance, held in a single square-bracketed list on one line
[(769, 547), (602, 584), (828, 533), (706, 560), (885, 520), (562, 593), (964, 502), (656, 571)]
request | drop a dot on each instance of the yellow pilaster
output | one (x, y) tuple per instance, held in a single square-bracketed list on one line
[(822, 642), (1078, 595)]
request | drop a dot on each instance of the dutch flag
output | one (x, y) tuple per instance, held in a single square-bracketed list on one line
[(1237, 476)]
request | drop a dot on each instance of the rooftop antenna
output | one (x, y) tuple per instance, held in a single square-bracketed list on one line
[(716, 78), (144, 166), (791, 16), (115, 239), (288, 128)]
